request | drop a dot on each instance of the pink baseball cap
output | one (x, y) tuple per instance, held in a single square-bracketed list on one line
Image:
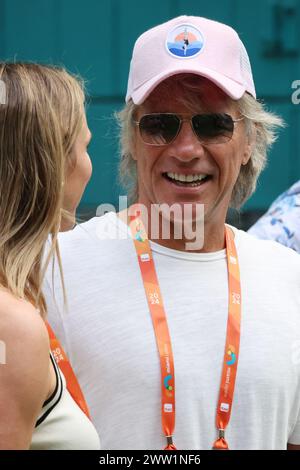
[(190, 44)]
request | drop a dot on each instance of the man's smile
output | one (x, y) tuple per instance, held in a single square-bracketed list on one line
[(191, 180)]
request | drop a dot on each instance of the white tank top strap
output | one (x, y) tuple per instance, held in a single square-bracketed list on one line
[(55, 397)]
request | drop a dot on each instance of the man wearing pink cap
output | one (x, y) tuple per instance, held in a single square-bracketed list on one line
[(180, 347)]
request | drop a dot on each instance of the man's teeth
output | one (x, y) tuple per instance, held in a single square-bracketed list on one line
[(186, 178)]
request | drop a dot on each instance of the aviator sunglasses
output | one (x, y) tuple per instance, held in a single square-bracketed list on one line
[(163, 128)]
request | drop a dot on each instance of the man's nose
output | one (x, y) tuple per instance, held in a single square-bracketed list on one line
[(187, 146)]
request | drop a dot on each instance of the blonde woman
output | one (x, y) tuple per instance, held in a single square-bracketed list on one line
[(44, 167)]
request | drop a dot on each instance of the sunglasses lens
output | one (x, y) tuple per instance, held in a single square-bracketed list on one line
[(159, 129), (213, 128)]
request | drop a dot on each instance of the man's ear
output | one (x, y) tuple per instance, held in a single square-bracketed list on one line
[(251, 141)]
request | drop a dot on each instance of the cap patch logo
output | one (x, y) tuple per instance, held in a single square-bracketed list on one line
[(184, 41)]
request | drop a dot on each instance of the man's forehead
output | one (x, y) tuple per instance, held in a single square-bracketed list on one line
[(196, 90)]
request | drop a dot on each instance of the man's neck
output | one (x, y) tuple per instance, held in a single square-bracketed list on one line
[(213, 242), (205, 236)]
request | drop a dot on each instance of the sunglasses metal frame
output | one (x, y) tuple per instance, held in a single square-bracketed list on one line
[(188, 118)]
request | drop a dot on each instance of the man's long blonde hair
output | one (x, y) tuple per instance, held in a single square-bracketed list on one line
[(40, 119)]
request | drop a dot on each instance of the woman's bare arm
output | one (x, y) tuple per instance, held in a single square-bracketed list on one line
[(24, 377)]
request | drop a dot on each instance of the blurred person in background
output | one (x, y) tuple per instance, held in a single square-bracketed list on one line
[(282, 220)]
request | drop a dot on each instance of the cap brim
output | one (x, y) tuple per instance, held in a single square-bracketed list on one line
[(232, 88)]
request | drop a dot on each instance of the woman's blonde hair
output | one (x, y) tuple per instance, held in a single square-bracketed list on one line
[(40, 119), (256, 116)]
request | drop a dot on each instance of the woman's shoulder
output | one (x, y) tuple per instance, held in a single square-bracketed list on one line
[(20, 319), (24, 369), (24, 341)]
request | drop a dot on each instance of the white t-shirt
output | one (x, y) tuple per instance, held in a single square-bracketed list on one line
[(108, 335)]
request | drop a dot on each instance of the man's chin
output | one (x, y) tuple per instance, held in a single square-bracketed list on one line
[(179, 212)]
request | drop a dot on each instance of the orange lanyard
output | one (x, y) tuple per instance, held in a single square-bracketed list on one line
[(64, 364), (163, 340)]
